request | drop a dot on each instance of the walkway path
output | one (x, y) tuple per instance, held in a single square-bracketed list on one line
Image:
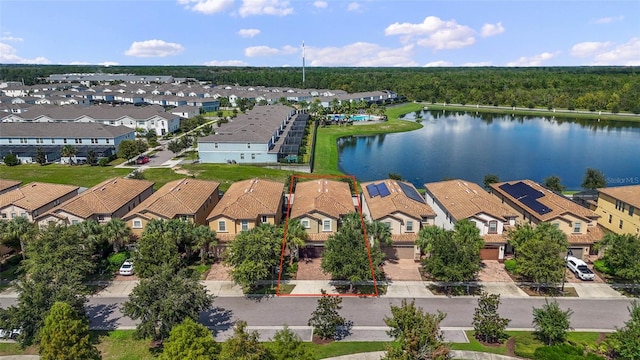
[(456, 354)]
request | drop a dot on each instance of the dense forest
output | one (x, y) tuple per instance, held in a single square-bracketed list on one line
[(595, 88)]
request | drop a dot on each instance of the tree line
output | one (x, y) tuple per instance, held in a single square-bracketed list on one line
[(595, 88)]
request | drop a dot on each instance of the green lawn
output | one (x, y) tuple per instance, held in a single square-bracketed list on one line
[(326, 151), (161, 176), (227, 174), (80, 175)]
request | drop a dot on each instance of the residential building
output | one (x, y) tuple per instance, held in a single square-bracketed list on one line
[(398, 205), (619, 209), (23, 139), (535, 204), (8, 185), (34, 199), (185, 199), (319, 205), (455, 200), (112, 198), (245, 205)]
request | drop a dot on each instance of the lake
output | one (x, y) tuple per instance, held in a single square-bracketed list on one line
[(469, 146)]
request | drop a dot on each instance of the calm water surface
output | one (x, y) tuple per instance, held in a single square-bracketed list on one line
[(469, 146)]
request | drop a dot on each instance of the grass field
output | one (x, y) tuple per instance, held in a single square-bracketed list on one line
[(227, 174), (80, 175), (326, 151)]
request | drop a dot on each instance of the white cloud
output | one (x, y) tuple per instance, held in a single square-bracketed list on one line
[(8, 56), (492, 29), (248, 33), (320, 4), (535, 60), (265, 7), (589, 48), (256, 51), (360, 54), (478, 64), (11, 38), (225, 63), (627, 54), (439, 34), (438, 63), (354, 6), (207, 6), (153, 48), (609, 19)]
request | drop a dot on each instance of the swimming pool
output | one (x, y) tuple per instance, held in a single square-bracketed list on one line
[(352, 117)]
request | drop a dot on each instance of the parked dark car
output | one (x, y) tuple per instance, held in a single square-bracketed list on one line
[(142, 160)]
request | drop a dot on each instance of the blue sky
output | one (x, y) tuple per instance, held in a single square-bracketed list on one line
[(335, 32)]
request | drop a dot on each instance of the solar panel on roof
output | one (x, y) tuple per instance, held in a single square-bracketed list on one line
[(411, 192), (535, 205), (520, 189), (372, 189), (383, 190)]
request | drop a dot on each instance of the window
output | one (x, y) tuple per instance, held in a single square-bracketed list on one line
[(493, 227), (23, 214), (242, 156), (39, 141), (620, 224), (253, 156), (409, 226), (106, 140), (305, 223), (610, 218), (53, 141), (4, 215), (264, 219), (94, 141), (631, 209), (78, 141), (23, 140), (326, 225), (222, 226), (388, 223), (244, 225), (576, 227), (556, 225), (215, 145), (74, 222), (248, 145), (64, 140), (137, 224), (14, 215), (10, 140), (100, 217)]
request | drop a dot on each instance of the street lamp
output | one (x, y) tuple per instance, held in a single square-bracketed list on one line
[(564, 269)]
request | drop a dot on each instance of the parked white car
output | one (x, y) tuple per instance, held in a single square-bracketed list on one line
[(580, 268), (126, 268)]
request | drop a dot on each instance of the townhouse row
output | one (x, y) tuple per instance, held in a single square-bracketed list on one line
[(320, 204)]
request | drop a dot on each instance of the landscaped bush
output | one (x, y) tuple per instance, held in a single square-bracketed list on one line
[(510, 265), (116, 260), (602, 266), (563, 352)]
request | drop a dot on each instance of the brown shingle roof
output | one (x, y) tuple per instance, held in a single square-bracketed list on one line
[(465, 199), (329, 197), (104, 198), (396, 202), (629, 194), (249, 199), (8, 184), (559, 205), (179, 197), (35, 195)]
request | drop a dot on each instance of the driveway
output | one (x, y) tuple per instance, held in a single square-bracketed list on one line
[(309, 269), (493, 271), (402, 270)]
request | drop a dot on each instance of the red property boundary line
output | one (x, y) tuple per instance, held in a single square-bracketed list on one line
[(364, 231)]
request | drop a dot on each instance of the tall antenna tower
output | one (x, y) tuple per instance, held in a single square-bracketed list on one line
[(303, 63)]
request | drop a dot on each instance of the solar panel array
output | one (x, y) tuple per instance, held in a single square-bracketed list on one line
[(411, 192), (527, 195), (378, 190), (383, 190), (373, 190)]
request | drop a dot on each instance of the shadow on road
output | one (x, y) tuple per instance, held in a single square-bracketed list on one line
[(218, 319), (102, 316)]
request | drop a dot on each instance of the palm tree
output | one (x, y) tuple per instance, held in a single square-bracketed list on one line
[(117, 233), (204, 239), (17, 232), (296, 238), (92, 233), (68, 151), (378, 232)]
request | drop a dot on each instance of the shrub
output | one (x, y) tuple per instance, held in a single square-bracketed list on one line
[(103, 162), (116, 260), (11, 160), (563, 352), (602, 266), (510, 265)]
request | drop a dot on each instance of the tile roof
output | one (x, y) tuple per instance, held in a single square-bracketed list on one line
[(396, 202), (329, 197), (558, 204), (62, 130), (104, 198), (34, 195), (249, 199), (593, 235), (629, 194), (8, 184), (179, 197), (464, 199)]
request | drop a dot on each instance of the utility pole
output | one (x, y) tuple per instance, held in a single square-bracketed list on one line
[(303, 64)]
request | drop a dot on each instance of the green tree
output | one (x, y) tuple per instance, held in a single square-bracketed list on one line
[(287, 345), (190, 341), (92, 158), (395, 176), (244, 345), (553, 183), (41, 158), (254, 254), (551, 323), (152, 137), (539, 258), (11, 160), (490, 179), (165, 300), (65, 335), (453, 255), (117, 233), (157, 249), (487, 323), (17, 232), (174, 146), (128, 149), (519, 235), (593, 179), (204, 239), (622, 255), (296, 237), (68, 151), (346, 256), (624, 343), (417, 333), (378, 232), (326, 319)]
